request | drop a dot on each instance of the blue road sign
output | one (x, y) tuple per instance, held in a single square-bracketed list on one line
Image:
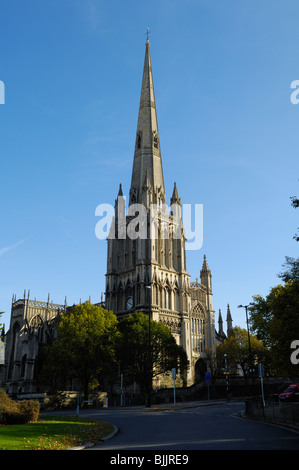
[(207, 376)]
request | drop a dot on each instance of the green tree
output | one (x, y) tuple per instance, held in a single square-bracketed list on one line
[(141, 359), (1, 342), (236, 346), (291, 273), (85, 345), (275, 318), (1, 326), (295, 204)]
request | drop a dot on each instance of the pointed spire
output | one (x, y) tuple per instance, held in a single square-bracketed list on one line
[(220, 323), (205, 268), (119, 201), (229, 320), (118, 226), (205, 274), (228, 317), (147, 156), (120, 191), (175, 199)]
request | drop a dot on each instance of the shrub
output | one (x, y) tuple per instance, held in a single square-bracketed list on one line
[(8, 408), (29, 409), (14, 412)]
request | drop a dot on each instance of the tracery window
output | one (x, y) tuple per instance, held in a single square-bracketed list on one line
[(155, 139), (198, 329), (166, 300), (23, 365), (177, 301), (36, 321), (138, 139)]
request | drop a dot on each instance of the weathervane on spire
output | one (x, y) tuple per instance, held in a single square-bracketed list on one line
[(147, 34)]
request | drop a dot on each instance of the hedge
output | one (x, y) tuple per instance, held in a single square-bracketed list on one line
[(17, 412)]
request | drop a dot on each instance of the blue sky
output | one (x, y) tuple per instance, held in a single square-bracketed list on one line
[(72, 71)]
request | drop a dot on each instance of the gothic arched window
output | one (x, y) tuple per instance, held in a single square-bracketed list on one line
[(198, 328), (23, 364), (155, 140), (138, 139), (167, 298)]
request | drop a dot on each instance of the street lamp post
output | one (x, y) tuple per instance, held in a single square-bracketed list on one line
[(149, 385), (226, 376), (249, 346)]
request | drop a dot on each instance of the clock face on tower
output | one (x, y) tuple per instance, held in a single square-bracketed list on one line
[(129, 303)]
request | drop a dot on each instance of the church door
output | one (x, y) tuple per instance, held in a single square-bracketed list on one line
[(200, 369)]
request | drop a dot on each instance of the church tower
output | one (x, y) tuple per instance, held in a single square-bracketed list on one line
[(146, 255)]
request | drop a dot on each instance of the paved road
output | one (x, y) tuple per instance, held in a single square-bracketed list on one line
[(214, 427)]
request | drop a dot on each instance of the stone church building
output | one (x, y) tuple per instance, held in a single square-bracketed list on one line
[(146, 268), (149, 273)]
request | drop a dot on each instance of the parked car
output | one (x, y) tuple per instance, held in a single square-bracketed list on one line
[(290, 394)]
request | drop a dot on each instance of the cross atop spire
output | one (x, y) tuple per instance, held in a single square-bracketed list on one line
[(147, 35)]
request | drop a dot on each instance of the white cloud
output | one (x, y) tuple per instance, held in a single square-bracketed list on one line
[(92, 12), (11, 247)]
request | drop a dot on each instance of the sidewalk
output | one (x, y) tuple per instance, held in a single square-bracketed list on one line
[(182, 405)]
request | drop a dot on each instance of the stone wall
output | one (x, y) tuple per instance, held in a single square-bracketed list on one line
[(65, 399), (287, 413)]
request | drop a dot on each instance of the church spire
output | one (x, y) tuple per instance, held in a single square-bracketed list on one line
[(229, 320), (175, 199), (220, 323), (205, 274), (147, 157)]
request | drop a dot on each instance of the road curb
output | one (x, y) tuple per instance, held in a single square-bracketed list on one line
[(184, 405), (281, 424), (112, 434), (91, 444)]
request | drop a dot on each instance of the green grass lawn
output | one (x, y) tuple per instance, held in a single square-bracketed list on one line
[(52, 432)]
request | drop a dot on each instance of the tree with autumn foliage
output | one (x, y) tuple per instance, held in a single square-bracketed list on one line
[(242, 352), (275, 319)]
